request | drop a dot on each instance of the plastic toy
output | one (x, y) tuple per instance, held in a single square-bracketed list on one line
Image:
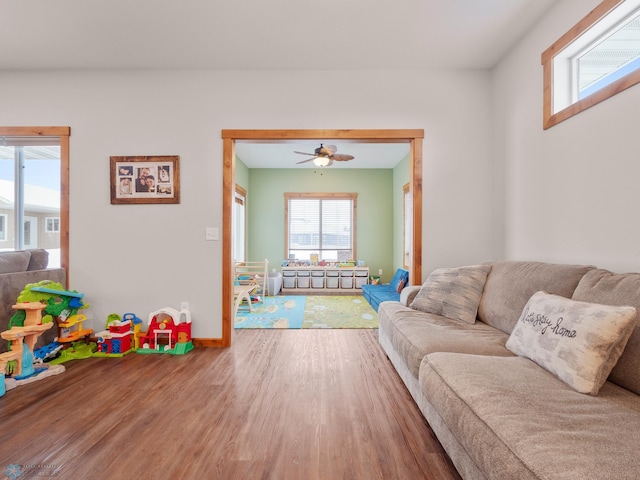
[(168, 331), (121, 336), (22, 341), (63, 306), (47, 352), (75, 351)]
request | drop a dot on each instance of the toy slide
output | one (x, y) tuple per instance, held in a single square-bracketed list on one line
[(66, 293)]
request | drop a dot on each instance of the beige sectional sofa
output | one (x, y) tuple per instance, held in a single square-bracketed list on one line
[(544, 383), (17, 269)]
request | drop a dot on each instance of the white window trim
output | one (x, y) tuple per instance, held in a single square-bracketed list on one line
[(46, 225), (322, 196), (556, 61)]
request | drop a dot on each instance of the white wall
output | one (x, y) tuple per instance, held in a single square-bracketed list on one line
[(142, 257), (572, 192)]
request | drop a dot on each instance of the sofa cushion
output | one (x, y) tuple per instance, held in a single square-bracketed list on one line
[(414, 334), (580, 342), (39, 259), (488, 402), (602, 286), (509, 287), (453, 292), (12, 262), (375, 294)]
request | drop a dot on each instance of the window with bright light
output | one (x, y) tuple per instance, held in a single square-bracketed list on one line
[(3, 228), (598, 58), (239, 223), (407, 225), (30, 194), (322, 224)]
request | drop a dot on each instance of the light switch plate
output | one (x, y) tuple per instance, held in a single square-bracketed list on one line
[(211, 233)]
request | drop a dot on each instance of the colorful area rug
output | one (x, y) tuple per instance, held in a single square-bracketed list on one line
[(330, 311), (298, 311), (275, 312)]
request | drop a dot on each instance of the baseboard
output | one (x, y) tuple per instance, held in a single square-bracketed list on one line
[(208, 342)]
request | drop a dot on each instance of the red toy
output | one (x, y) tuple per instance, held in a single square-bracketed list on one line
[(168, 331)]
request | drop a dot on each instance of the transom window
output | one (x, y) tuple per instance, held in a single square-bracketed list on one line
[(320, 224), (598, 58)]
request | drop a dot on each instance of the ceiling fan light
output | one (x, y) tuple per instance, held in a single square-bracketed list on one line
[(321, 161)]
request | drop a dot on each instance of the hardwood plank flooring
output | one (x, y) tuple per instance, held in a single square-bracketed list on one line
[(278, 404)]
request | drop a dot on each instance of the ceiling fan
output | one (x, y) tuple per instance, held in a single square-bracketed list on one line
[(325, 156)]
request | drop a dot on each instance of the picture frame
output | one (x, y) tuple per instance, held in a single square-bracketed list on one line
[(145, 179)]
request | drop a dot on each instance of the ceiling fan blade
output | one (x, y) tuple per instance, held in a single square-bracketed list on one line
[(307, 160), (305, 153), (342, 158), (329, 149)]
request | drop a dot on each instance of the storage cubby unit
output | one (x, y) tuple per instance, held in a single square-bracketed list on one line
[(347, 280)]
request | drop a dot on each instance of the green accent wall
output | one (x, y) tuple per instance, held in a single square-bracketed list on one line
[(378, 215), (374, 210)]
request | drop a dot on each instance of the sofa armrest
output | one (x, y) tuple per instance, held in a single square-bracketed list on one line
[(408, 294)]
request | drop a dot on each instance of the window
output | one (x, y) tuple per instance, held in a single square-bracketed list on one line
[(52, 224), (239, 224), (598, 58), (3, 228), (33, 209), (322, 224), (407, 225)]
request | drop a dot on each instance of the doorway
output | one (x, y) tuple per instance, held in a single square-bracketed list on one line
[(412, 137)]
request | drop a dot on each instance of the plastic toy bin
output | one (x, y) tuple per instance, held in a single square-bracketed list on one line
[(275, 283)]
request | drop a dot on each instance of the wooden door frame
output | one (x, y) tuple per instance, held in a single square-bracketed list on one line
[(229, 137)]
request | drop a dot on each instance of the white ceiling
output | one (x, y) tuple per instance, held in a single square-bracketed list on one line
[(258, 34), (266, 35), (281, 155)]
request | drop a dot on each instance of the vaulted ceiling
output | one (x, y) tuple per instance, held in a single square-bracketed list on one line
[(273, 35), (254, 34)]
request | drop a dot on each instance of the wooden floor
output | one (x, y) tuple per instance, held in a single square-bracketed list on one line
[(278, 404)]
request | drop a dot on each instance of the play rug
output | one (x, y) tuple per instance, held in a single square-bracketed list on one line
[(329, 311), (276, 312), (299, 311)]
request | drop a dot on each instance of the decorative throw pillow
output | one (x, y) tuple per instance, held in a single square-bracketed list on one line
[(453, 292), (579, 342), (400, 285)]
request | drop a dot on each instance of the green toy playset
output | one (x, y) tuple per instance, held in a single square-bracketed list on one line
[(45, 305)]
